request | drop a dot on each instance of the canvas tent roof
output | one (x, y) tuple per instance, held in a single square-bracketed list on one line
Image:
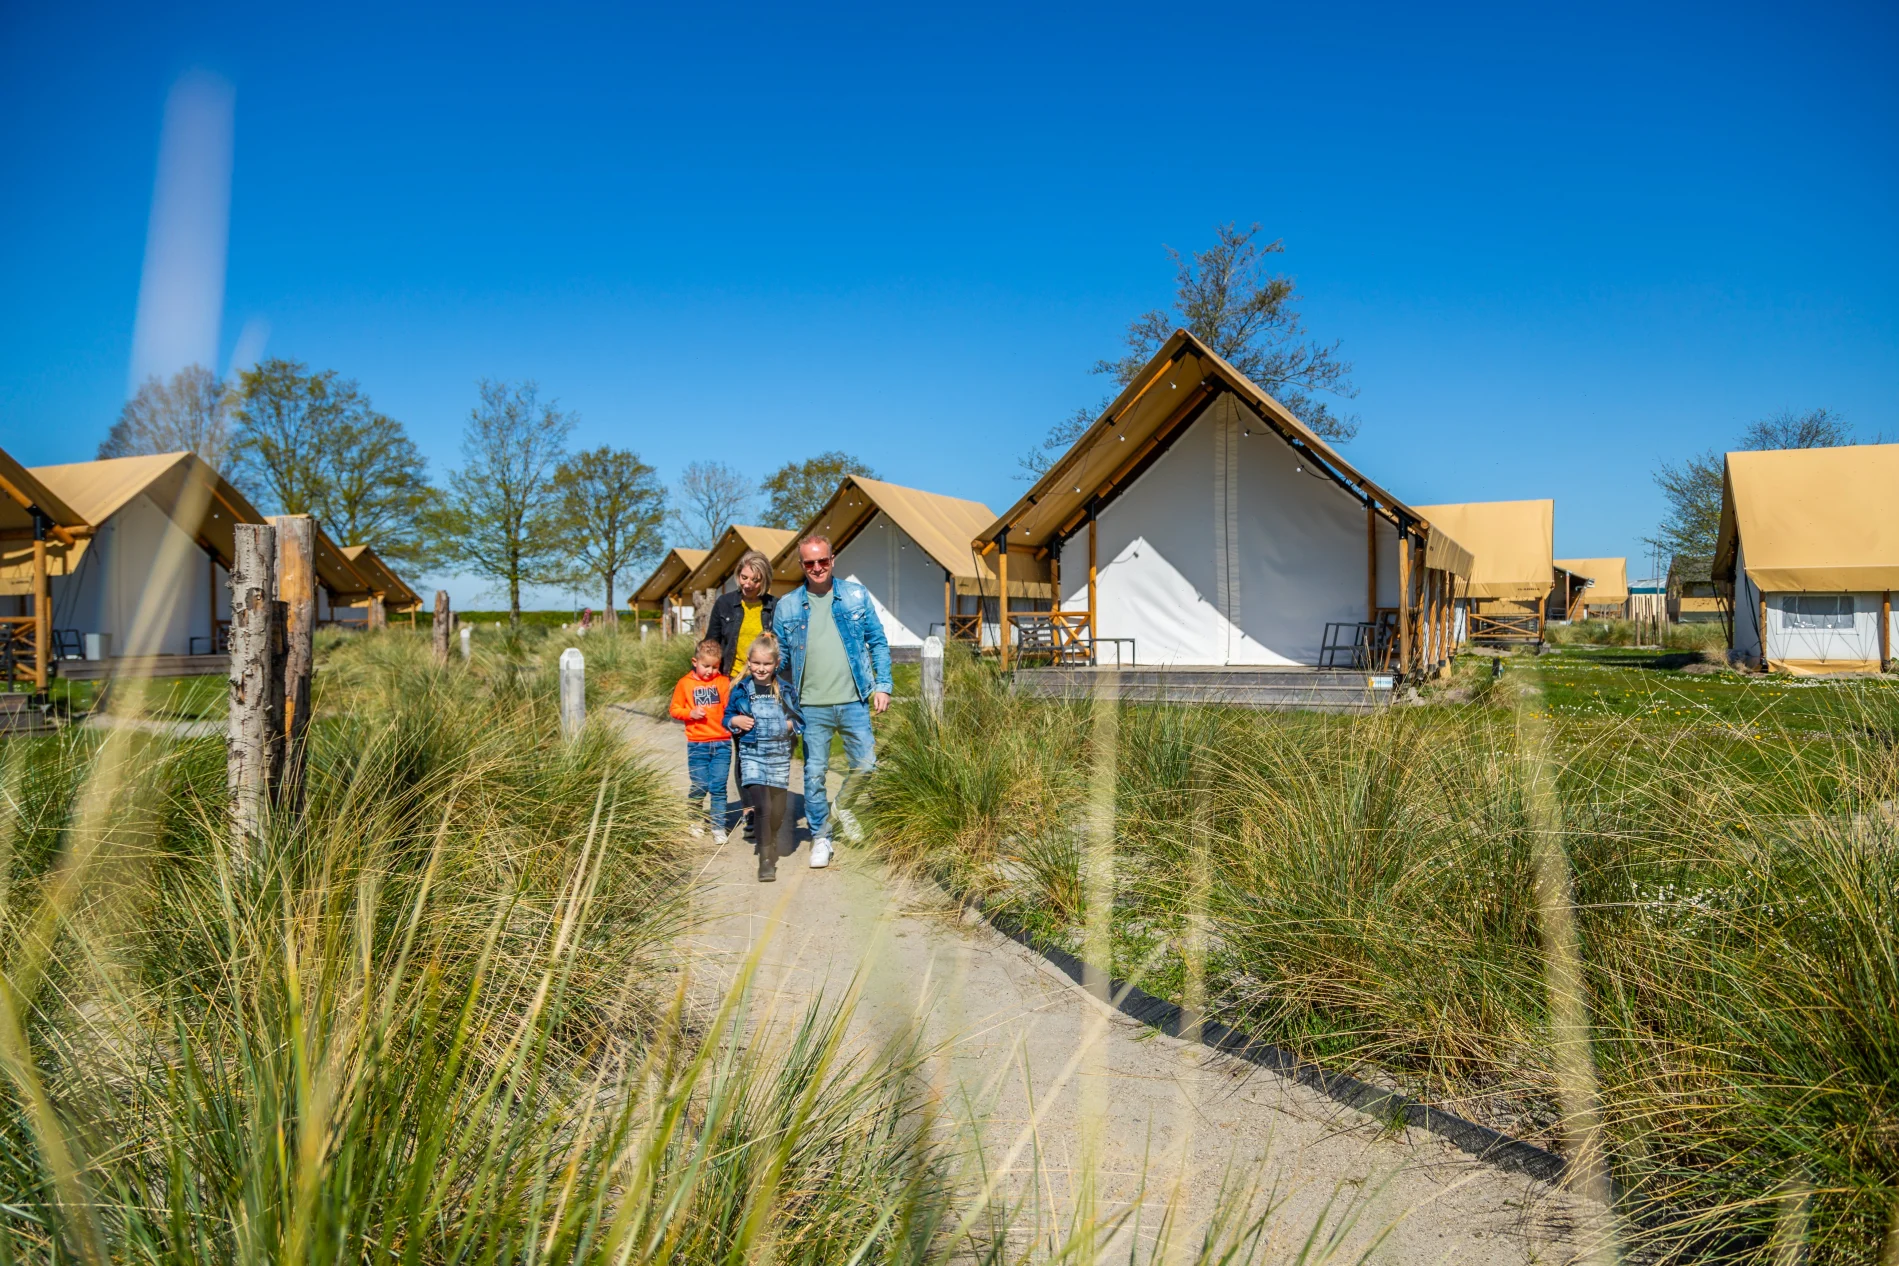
[(1513, 543), (379, 575), (21, 492), (722, 559), (1813, 520), (668, 577), (177, 482), (941, 526), (1611, 576), (1166, 395)]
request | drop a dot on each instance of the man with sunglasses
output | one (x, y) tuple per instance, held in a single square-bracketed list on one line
[(835, 655)]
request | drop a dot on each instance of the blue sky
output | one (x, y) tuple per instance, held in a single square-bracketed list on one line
[(1559, 246)]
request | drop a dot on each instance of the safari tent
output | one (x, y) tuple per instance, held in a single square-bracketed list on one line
[(1513, 544), (386, 591), (38, 531), (150, 577), (910, 549), (1606, 593), (1808, 557), (666, 589), (1197, 522), (717, 571)]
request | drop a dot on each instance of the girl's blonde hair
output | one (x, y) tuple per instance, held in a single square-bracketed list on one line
[(769, 644)]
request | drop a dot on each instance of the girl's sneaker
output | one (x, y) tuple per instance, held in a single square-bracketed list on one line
[(698, 832), (719, 837)]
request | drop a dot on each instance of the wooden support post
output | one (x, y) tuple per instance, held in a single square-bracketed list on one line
[(377, 617), (1885, 630), (296, 589), (1371, 564), (212, 559), (42, 609), (949, 605), (1094, 630), (442, 618), (1404, 602), (253, 735), (1763, 630), (1002, 609)]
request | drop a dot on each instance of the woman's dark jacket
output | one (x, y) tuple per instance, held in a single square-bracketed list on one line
[(728, 614)]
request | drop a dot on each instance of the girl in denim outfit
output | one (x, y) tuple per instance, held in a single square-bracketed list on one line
[(762, 711)]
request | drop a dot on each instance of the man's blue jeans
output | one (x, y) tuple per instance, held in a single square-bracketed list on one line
[(821, 721), (708, 766)]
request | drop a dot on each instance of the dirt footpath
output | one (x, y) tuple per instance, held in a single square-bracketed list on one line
[(1049, 1074)]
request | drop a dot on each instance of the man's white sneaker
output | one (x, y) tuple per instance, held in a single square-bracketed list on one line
[(820, 854), (848, 820), (719, 837)]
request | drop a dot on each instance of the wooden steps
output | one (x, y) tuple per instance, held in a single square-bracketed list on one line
[(1289, 689), (18, 716)]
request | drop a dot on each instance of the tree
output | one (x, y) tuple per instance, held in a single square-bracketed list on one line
[(502, 516), (1691, 527), (1226, 297), (612, 509), (191, 411), (312, 444), (798, 490), (710, 498)]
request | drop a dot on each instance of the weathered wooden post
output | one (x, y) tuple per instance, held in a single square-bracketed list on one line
[(378, 616), (296, 589), (933, 676), (573, 693), (252, 736), (468, 650), (702, 611), (442, 619)]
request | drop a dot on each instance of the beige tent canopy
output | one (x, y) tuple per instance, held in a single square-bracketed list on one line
[(1610, 577), (1812, 520), (669, 577), (1513, 544), (941, 526), (21, 493), (379, 577), (722, 559), (176, 482)]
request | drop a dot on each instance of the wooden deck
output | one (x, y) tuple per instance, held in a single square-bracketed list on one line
[(145, 666), (1288, 689)]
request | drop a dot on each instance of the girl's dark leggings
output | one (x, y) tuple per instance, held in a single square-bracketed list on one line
[(771, 812)]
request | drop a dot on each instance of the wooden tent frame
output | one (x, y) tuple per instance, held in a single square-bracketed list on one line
[(48, 518)]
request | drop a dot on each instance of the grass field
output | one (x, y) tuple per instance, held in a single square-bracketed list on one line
[(1715, 857)]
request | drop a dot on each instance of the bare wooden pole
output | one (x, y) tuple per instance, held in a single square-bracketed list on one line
[(42, 608), (377, 617), (1002, 610), (1404, 602), (251, 737), (1094, 630), (443, 619), (1885, 630), (1371, 564), (949, 604), (296, 589)]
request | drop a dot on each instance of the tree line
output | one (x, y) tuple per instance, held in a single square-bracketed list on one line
[(522, 508)]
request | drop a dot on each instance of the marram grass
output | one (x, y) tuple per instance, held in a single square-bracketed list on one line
[(1364, 890), (438, 1018)]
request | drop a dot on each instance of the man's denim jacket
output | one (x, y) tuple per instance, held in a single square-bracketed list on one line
[(862, 633)]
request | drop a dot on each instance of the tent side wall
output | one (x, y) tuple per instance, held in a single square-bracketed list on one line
[(1746, 641), (1225, 552), (122, 569), (904, 581), (1841, 637)]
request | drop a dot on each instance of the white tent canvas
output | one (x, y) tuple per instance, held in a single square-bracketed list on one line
[(1231, 549), (905, 583)]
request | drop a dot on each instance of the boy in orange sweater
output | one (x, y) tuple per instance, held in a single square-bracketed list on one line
[(699, 701)]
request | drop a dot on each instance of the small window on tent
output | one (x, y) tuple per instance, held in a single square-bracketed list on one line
[(1819, 611)]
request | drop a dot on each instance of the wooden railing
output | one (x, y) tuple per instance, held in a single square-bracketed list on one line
[(965, 628), (1504, 624), (19, 649)]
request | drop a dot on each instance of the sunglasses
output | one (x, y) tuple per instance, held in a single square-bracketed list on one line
[(813, 564)]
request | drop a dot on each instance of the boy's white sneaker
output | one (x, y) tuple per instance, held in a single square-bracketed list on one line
[(698, 832), (848, 820), (719, 837), (820, 854)]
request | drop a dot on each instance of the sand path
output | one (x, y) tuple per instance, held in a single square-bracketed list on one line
[(1050, 1075)]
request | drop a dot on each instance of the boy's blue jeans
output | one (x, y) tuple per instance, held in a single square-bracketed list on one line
[(821, 721), (708, 767)]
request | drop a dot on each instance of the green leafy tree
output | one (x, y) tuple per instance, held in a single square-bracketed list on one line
[(612, 510), (798, 490), (189, 411), (1228, 297), (502, 517), (311, 443), (1691, 525)]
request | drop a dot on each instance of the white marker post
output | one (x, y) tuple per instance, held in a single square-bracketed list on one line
[(468, 649), (573, 693), (933, 676)]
